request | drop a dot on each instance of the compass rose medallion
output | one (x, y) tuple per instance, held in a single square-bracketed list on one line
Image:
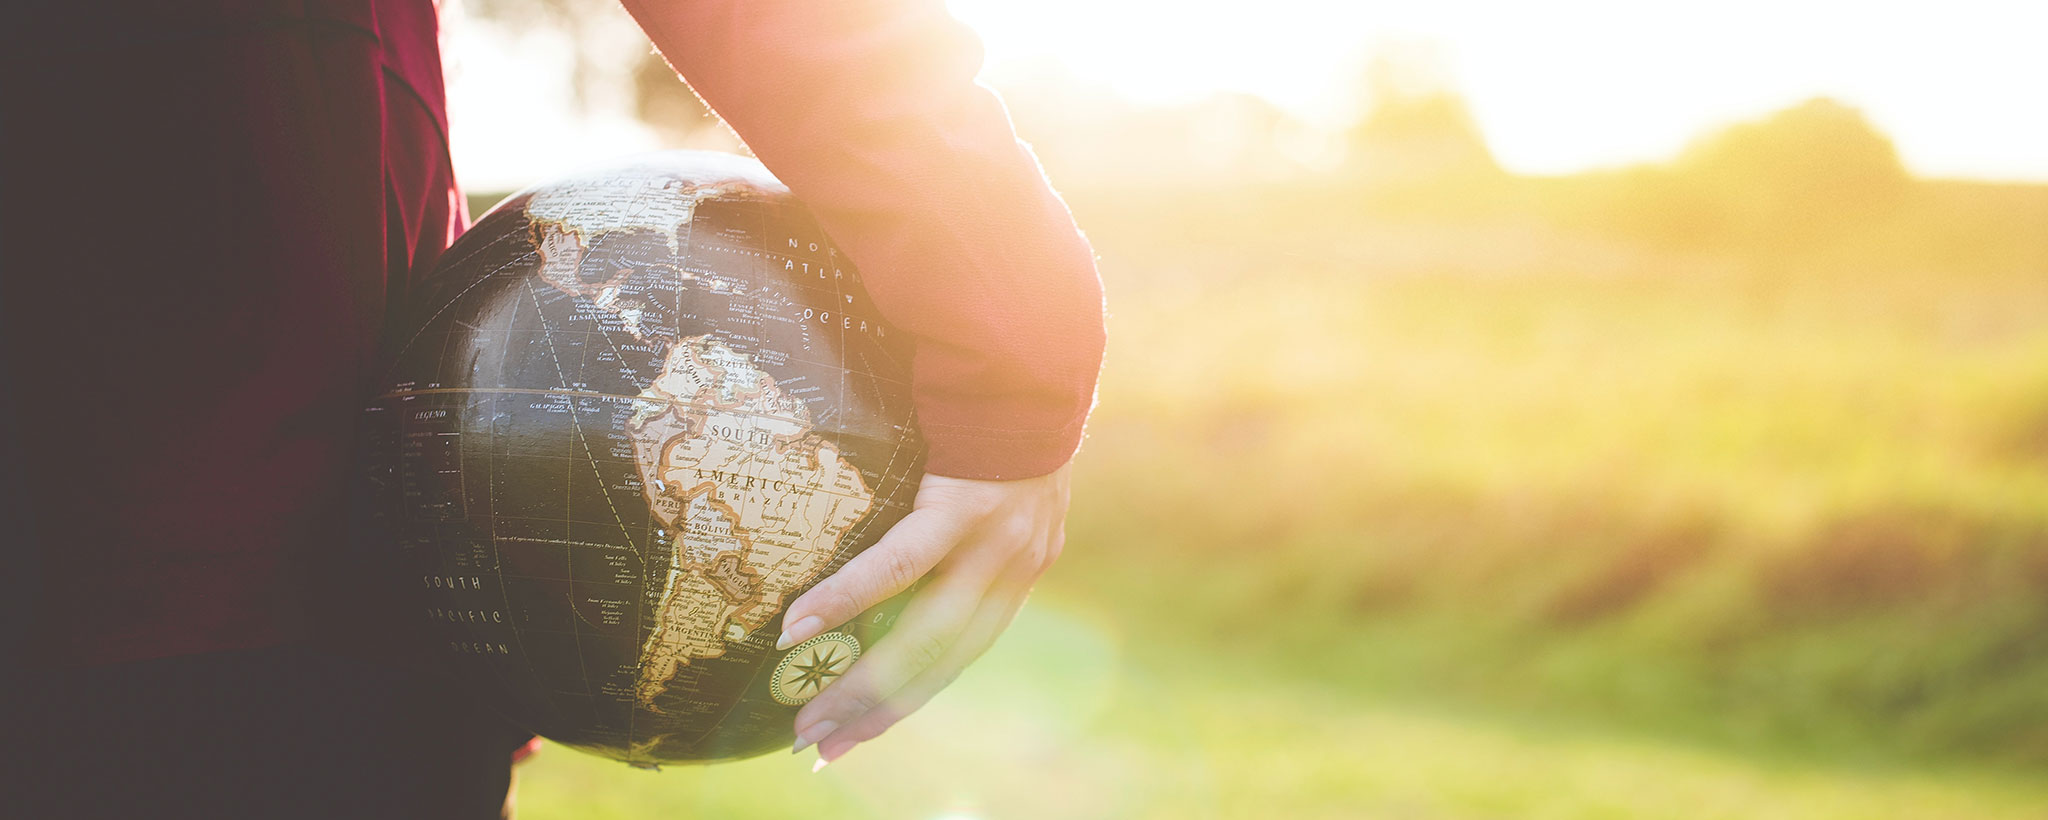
[(811, 666)]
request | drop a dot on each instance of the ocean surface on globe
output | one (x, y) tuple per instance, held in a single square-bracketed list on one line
[(634, 413)]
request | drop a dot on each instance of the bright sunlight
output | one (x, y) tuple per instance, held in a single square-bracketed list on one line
[(1566, 86)]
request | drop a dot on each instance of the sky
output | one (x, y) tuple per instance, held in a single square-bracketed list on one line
[(1565, 85), (1557, 87)]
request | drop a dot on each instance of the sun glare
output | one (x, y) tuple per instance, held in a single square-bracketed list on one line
[(1560, 87), (1555, 87)]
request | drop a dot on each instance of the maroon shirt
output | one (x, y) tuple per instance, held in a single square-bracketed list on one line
[(209, 205)]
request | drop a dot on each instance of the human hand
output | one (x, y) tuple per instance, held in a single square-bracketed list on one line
[(984, 544)]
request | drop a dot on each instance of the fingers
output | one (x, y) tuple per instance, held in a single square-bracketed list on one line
[(904, 554), (927, 628), (984, 545), (997, 610)]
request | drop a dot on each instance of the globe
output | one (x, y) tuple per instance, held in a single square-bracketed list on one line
[(633, 414)]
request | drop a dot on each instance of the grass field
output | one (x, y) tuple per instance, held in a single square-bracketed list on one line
[(1509, 501), (1066, 719)]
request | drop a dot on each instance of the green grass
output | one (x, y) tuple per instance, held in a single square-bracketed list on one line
[(1494, 503), (1069, 719)]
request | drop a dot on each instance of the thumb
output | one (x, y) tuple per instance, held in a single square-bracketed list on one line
[(906, 552)]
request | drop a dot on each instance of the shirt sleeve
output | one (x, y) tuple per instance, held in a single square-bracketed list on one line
[(868, 110)]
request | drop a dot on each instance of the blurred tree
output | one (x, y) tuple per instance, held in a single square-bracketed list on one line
[(1816, 172), (679, 118), (1418, 128), (1817, 151), (615, 66)]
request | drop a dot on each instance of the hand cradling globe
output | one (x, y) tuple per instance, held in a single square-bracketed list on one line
[(633, 414)]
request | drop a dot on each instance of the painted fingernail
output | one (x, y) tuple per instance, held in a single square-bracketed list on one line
[(800, 631), (816, 732), (819, 765)]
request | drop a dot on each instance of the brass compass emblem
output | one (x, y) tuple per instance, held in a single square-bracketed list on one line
[(811, 666)]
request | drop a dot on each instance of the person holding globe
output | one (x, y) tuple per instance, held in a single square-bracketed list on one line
[(185, 377)]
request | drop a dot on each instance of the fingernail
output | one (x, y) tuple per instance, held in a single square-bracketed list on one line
[(816, 732), (800, 631), (834, 751), (819, 765)]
